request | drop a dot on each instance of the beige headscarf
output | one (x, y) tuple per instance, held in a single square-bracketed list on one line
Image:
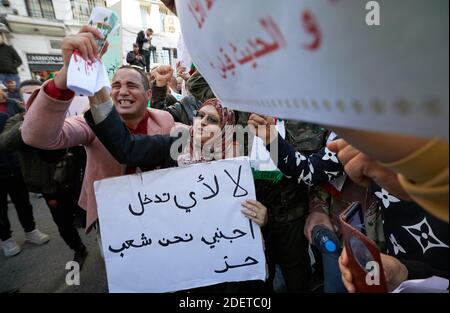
[(220, 146)]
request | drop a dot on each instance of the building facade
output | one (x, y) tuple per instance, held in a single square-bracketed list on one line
[(142, 14), (36, 28)]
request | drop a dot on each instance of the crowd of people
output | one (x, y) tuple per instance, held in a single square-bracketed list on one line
[(401, 181)]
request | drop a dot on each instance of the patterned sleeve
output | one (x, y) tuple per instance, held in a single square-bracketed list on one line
[(314, 169)]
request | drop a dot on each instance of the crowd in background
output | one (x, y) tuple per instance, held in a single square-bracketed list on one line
[(400, 181)]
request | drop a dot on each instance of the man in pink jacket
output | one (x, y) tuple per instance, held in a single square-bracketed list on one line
[(47, 127)]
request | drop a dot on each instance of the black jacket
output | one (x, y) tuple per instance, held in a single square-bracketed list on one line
[(145, 151), (182, 111), (10, 60), (13, 107), (141, 39), (9, 162), (132, 60)]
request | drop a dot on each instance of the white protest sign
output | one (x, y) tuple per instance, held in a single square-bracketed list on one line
[(78, 106), (179, 228), (320, 61)]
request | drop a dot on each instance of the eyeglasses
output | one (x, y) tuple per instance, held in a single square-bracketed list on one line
[(362, 252), (209, 118)]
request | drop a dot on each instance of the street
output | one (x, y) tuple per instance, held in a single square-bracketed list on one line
[(43, 268)]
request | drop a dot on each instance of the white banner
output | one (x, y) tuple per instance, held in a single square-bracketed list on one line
[(78, 106), (179, 228), (327, 61)]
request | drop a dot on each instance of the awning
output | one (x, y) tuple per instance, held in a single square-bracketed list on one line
[(45, 62)]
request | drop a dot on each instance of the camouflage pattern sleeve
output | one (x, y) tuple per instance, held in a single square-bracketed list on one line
[(319, 200)]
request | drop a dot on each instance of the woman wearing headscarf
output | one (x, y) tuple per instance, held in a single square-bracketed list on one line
[(209, 139)]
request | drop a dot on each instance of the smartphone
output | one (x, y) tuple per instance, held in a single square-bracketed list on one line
[(363, 254)]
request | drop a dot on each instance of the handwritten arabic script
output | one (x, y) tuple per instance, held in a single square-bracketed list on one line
[(144, 200), (318, 61), (183, 222)]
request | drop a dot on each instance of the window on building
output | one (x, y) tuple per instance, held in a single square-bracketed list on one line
[(81, 9), (41, 9), (145, 16), (168, 56), (55, 44), (162, 14)]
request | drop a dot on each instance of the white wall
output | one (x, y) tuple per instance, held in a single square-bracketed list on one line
[(131, 14), (15, 4), (155, 19)]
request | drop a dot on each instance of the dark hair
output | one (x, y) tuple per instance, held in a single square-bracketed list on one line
[(149, 29), (144, 78), (30, 82)]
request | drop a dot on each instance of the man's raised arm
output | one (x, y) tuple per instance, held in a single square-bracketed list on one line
[(45, 124)]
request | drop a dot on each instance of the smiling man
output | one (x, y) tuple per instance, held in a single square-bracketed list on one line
[(47, 127)]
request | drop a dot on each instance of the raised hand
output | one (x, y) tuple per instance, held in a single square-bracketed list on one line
[(263, 127), (364, 170), (181, 71), (85, 43), (162, 75)]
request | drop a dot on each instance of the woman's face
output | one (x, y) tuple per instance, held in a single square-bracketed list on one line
[(207, 123)]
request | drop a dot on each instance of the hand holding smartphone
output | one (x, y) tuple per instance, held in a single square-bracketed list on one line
[(363, 255)]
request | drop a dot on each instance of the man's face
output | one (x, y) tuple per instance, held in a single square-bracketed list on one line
[(149, 33), (11, 85), (27, 90), (128, 93)]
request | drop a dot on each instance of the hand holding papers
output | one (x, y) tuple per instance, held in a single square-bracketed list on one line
[(85, 77)]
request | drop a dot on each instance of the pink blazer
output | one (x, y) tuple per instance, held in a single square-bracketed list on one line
[(46, 127)]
